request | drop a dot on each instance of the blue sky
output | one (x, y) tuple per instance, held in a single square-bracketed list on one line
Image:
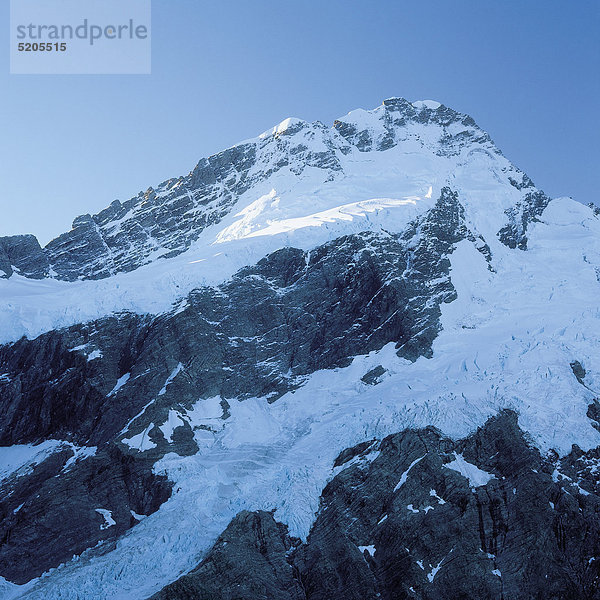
[(528, 71)]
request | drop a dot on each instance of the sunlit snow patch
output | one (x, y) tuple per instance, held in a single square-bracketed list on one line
[(108, 520), (120, 383), (25, 456), (172, 376), (248, 226), (404, 476), (174, 420), (94, 355), (141, 441), (431, 104), (474, 474)]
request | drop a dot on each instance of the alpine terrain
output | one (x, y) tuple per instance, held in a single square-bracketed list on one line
[(347, 362)]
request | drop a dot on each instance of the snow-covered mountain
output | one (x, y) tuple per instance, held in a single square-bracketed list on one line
[(235, 377), (299, 184)]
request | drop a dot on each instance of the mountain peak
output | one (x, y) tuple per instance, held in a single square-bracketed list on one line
[(288, 126), (430, 104), (398, 102)]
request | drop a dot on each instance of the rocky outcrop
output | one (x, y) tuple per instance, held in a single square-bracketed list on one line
[(397, 113), (248, 562), (520, 216), (68, 503), (421, 516), (22, 254), (58, 385), (163, 222)]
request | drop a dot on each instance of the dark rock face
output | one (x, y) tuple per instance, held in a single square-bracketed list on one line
[(593, 413), (430, 241), (401, 521), (50, 514), (22, 254), (51, 390), (248, 562), (373, 376), (81, 253), (578, 371), (513, 234)]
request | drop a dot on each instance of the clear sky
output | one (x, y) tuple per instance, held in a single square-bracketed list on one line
[(528, 71)]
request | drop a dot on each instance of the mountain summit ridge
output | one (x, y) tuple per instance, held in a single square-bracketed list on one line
[(163, 222)]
